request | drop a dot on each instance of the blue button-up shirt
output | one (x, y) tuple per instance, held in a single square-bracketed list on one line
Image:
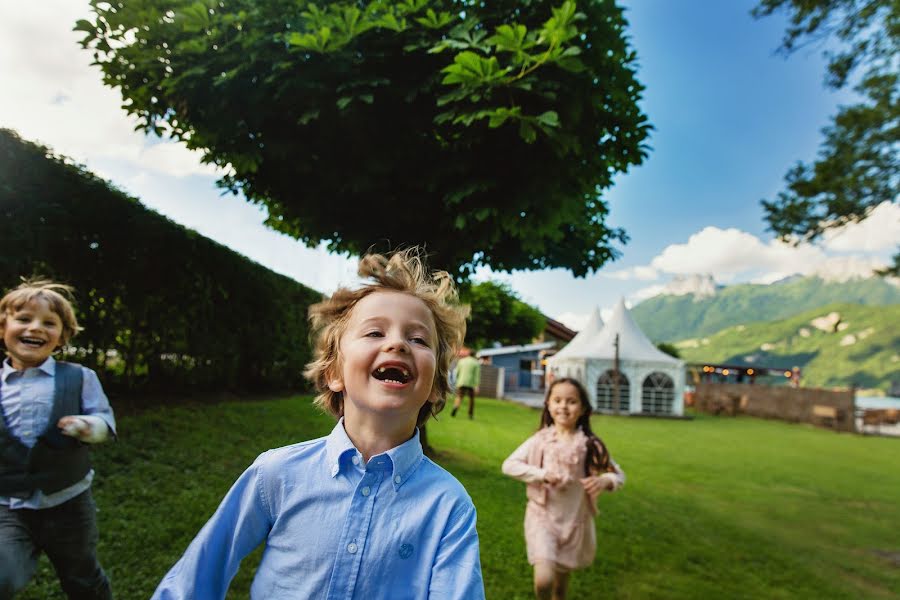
[(394, 528), (26, 400)]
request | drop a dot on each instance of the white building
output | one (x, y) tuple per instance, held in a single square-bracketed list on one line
[(650, 381)]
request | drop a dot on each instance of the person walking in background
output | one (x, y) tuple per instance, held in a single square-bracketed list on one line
[(52, 412), (566, 467), (468, 376)]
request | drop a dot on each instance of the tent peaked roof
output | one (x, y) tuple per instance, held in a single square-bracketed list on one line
[(592, 329), (633, 344)]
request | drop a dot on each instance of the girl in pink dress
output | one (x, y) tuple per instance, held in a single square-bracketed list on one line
[(566, 468)]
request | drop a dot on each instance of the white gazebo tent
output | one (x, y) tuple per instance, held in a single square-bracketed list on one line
[(592, 329), (649, 380)]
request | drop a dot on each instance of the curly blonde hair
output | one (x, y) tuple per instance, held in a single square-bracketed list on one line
[(57, 295), (402, 271)]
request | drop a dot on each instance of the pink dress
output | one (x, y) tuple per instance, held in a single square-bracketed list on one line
[(559, 518)]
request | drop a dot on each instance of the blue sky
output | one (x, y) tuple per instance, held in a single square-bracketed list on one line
[(730, 116)]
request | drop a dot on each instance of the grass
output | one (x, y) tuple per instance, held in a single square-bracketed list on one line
[(713, 507)]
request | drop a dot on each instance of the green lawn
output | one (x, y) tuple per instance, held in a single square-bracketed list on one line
[(713, 507)]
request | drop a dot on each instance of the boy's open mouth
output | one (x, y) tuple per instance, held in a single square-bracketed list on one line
[(33, 342), (392, 374)]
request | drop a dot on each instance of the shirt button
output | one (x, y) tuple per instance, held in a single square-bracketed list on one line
[(366, 491), (397, 479), (352, 548), (355, 459)]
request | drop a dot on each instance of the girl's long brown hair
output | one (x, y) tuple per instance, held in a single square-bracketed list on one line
[(597, 460)]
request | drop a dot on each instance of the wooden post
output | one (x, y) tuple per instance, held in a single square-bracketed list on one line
[(616, 375)]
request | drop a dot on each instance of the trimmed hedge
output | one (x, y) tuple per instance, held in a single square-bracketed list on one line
[(163, 307)]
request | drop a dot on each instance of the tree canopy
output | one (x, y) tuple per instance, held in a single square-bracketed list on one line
[(499, 315), (858, 165), (485, 131)]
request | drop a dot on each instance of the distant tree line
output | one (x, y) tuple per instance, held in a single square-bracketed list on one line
[(163, 307)]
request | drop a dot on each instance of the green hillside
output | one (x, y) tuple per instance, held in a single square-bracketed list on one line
[(862, 348), (670, 318)]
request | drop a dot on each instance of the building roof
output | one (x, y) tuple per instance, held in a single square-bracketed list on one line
[(515, 349), (558, 330)]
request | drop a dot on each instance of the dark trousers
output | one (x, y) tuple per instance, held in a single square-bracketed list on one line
[(67, 533), (467, 391)]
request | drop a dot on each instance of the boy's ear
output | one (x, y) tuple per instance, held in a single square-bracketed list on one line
[(335, 385)]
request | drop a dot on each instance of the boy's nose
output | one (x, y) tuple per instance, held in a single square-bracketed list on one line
[(395, 344)]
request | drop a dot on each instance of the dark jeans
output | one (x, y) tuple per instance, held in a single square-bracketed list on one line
[(67, 533), (467, 391)]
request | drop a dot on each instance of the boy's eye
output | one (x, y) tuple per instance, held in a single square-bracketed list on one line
[(420, 340), (373, 334)]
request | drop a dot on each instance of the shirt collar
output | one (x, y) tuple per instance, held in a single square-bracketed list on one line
[(48, 367), (402, 460)]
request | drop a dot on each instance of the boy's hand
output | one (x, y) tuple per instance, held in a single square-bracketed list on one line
[(596, 484), (85, 428), (73, 426)]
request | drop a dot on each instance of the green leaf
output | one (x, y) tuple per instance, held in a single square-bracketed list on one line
[(549, 119), (85, 26), (308, 116), (527, 132)]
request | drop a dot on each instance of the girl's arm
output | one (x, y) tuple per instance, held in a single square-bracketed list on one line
[(610, 481), (616, 477), (517, 466)]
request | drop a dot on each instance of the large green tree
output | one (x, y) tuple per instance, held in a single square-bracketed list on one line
[(485, 130), (499, 316), (858, 165)]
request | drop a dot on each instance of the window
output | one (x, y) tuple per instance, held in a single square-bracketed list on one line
[(657, 394), (606, 390)]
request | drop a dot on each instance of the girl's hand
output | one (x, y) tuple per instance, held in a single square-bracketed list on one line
[(596, 484), (552, 478), (74, 427)]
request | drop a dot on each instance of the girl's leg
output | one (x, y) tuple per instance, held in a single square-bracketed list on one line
[(560, 585), (544, 575)]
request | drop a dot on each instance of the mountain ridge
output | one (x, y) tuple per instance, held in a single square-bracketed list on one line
[(670, 318)]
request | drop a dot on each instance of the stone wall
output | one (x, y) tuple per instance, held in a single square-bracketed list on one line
[(826, 408)]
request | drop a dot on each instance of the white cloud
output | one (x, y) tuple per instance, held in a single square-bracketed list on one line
[(647, 292), (640, 273), (732, 255), (576, 321), (728, 253), (59, 100), (880, 231)]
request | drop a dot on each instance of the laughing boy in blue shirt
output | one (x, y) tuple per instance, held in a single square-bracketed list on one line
[(360, 513)]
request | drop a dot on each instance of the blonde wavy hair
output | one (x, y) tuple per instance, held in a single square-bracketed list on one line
[(402, 271), (57, 295)]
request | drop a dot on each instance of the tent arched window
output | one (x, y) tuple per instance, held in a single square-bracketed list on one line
[(657, 394), (606, 390)]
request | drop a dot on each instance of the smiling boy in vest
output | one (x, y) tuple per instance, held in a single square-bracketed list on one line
[(52, 411)]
